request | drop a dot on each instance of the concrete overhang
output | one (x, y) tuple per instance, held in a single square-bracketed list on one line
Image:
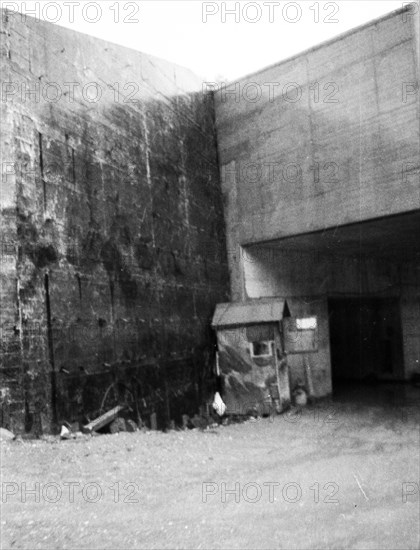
[(394, 237)]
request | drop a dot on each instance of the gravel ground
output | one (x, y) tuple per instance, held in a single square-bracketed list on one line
[(331, 476)]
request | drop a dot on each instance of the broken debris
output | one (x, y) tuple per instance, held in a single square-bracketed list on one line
[(118, 425), (131, 426), (102, 420)]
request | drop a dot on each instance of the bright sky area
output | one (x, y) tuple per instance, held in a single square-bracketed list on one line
[(217, 40)]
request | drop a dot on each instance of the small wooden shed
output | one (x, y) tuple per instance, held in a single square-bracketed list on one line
[(251, 356)]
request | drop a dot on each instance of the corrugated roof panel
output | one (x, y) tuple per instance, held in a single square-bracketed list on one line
[(249, 313)]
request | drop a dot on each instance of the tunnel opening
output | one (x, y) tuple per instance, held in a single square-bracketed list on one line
[(361, 282), (366, 343)]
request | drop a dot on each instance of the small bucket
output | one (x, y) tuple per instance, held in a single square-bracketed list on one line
[(301, 398)]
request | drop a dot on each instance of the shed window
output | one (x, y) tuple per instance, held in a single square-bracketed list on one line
[(262, 349), (306, 323), (301, 334)]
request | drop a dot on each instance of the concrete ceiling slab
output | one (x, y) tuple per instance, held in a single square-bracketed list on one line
[(392, 237)]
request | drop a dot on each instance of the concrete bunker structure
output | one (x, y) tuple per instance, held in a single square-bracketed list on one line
[(320, 167), (116, 215)]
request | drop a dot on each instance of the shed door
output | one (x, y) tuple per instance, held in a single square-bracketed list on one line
[(300, 334)]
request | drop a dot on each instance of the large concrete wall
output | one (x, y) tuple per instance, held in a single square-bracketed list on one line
[(326, 138), (113, 241)]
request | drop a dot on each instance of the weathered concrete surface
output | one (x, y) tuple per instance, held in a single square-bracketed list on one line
[(322, 139), (274, 148), (365, 447), (113, 252)]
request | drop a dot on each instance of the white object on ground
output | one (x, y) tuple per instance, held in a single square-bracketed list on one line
[(65, 433), (6, 435), (218, 404)]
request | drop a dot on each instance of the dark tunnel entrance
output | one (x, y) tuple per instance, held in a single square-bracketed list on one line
[(365, 340)]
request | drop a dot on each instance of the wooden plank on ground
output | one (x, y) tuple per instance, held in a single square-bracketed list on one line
[(103, 420)]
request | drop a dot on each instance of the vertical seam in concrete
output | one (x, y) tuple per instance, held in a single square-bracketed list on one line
[(41, 167), (20, 326), (152, 228), (311, 129), (416, 59), (360, 172)]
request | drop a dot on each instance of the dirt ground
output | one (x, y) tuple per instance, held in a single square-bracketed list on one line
[(340, 474)]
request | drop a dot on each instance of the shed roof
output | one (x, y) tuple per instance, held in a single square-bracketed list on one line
[(250, 313)]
